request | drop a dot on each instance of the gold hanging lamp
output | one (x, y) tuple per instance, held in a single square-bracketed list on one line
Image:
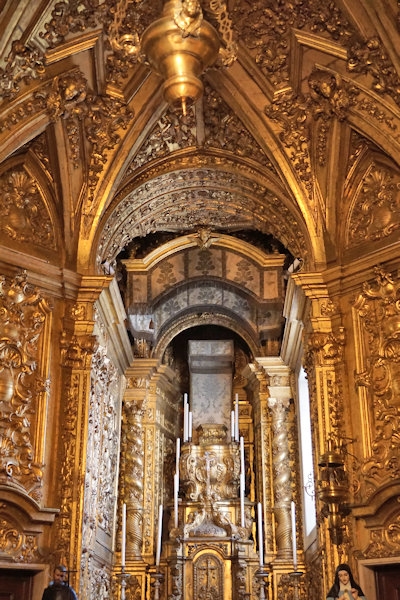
[(179, 47)]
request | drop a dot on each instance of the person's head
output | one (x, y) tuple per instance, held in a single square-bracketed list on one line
[(59, 574)]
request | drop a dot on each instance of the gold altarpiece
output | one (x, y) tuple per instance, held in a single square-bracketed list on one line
[(208, 549), (209, 540)]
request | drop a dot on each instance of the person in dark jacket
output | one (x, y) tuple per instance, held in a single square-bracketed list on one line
[(345, 587), (59, 588)]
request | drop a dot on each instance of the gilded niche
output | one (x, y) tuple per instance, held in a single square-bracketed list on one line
[(376, 213), (25, 217), (22, 320)]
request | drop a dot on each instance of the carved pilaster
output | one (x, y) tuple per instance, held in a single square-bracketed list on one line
[(324, 342), (24, 323), (77, 347), (377, 317)]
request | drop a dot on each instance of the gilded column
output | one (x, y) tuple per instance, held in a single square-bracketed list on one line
[(149, 429), (282, 434), (132, 449)]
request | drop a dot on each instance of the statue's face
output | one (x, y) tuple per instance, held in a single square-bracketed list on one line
[(344, 577), (192, 7)]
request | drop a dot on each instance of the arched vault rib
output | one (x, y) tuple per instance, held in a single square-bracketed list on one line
[(187, 321), (190, 199)]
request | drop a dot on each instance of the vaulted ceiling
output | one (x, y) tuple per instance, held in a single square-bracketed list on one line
[(293, 148)]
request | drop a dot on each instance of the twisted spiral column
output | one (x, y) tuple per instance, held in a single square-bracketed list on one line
[(281, 475), (134, 479)]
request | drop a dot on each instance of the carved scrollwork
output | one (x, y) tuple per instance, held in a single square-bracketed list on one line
[(23, 65), (329, 99), (25, 215), (208, 475), (378, 308), (376, 214), (22, 319), (16, 545)]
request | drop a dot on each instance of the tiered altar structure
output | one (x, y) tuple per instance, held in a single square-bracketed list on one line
[(211, 553)]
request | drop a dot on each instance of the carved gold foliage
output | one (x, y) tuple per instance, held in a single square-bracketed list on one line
[(378, 308), (376, 213), (209, 475), (76, 351), (105, 118), (385, 541), (329, 99), (23, 65), (15, 544), (40, 148), (326, 346), (371, 58), (65, 96), (25, 215), (22, 318), (222, 130), (290, 112), (67, 473), (71, 17)]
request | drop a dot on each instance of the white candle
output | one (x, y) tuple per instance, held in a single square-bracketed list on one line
[(242, 523), (178, 453), (185, 418), (260, 534), (159, 534), (242, 468), (176, 492), (190, 426), (237, 418), (123, 541), (232, 425), (294, 541)]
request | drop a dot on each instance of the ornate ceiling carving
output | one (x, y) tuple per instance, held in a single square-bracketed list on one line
[(272, 128)]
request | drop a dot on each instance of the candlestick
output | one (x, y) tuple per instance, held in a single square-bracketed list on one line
[(294, 540), (123, 534), (237, 418), (176, 492), (260, 534), (159, 534)]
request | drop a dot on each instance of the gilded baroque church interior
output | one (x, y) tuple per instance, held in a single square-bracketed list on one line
[(199, 297)]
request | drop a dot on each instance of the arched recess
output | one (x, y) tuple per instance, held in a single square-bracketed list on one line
[(206, 274), (188, 321), (31, 222), (372, 203)]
